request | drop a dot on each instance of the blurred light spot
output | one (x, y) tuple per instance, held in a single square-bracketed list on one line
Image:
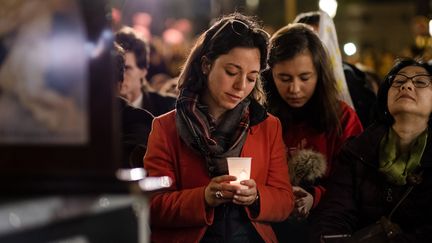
[(252, 4), (183, 25), (14, 220), (173, 36), (134, 174), (328, 6), (350, 48), (104, 202), (155, 183), (143, 19), (104, 42), (430, 27), (116, 15)]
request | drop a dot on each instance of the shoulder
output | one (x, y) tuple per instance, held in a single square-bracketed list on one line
[(131, 114), (349, 121), (168, 98), (141, 113), (345, 108), (272, 119), (347, 112), (167, 118), (270, 124), (367, 141)]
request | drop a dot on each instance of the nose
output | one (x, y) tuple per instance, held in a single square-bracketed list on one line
[(240, 82), (408, 85), (294, 87)]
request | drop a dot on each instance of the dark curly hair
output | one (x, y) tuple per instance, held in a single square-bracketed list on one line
[(219, 39), (119, 62), (130, 42)]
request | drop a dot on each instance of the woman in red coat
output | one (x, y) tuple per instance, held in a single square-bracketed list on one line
[(219, 114)]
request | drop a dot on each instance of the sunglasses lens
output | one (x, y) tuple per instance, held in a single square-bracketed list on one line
[(239, 28)]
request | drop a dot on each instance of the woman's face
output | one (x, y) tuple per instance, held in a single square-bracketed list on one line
[(407, 99), (296, 79), (231, 78)]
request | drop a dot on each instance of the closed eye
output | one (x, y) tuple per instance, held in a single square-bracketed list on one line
[(252, 78), (230, 73), (284, 78), (305, 77)]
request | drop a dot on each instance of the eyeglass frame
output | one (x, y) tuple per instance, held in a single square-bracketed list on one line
[(232, 21), (414, 82)]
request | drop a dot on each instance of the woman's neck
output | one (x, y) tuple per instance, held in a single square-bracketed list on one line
[(408, 130), (214, 111)]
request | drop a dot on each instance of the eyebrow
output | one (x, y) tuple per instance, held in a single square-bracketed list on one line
[(239, 67), (415, 73), (286, 74)]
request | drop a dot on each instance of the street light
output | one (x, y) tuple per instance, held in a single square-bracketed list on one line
[(328, 6), (350, 49), (430, 27)]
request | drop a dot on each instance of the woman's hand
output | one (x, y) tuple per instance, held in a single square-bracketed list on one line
[(303, 202), (248, 196), (219, 191)]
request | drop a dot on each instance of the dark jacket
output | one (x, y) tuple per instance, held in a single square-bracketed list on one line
[(157, 103), (358, 194), (135, 128), (361, 95)]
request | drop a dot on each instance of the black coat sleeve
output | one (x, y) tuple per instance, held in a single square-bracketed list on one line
[(337, 212)]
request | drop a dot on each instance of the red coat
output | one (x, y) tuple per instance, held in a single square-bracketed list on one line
[(180, 215), (302, 136)]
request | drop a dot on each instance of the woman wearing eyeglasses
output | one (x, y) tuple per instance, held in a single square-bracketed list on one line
[(303, 95), (377, 168), (219, 114)]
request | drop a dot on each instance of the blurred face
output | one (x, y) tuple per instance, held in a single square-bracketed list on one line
[(131, 86), (407, 99), (231, 78), (295, 79)]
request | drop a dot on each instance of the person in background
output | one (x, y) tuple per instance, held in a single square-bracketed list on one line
[(135, 122), (135, 87), (302, 93), (391, 158), (219, 114), (362, 95)]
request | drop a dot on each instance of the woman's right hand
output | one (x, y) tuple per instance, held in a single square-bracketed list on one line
[(303, 202), (219, 191)]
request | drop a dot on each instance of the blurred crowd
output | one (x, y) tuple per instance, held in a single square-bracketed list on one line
[(169, 50)]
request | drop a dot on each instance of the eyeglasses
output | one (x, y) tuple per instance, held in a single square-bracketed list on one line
[(239, 28), (419, 80)]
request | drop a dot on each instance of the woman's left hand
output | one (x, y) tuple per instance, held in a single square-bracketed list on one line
[(248, 196)]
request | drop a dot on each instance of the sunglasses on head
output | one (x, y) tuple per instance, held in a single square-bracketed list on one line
[(239, 28)]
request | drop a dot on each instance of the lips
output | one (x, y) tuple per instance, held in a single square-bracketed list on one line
[(296, 99), (405, 96), (233, 97)]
